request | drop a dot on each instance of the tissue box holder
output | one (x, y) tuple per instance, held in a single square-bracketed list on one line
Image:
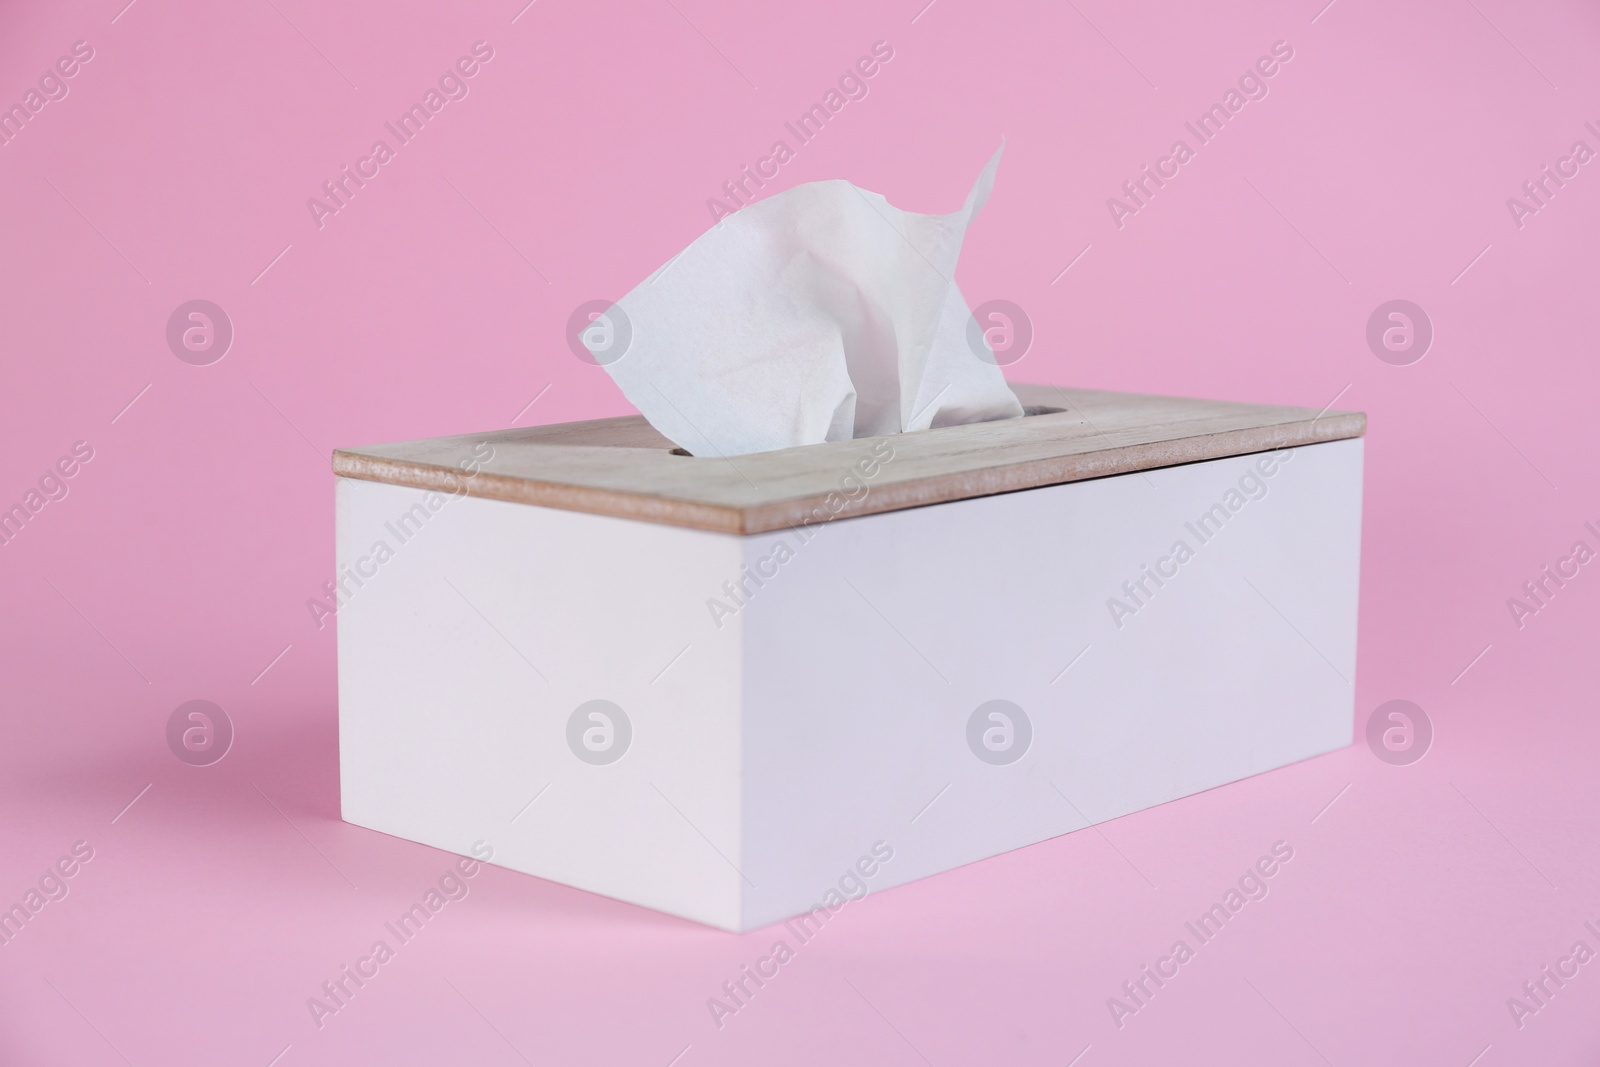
[(744, 689)]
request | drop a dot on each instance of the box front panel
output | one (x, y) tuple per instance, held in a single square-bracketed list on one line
[(959, 680), (544, 684)]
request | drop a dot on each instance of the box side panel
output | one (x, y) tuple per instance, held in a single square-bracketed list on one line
[(479, 631), (1154, 634)]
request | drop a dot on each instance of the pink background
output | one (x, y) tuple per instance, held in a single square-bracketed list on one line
[(178, 167)]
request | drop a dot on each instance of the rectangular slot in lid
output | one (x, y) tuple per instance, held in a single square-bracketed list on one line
[(624, 468)]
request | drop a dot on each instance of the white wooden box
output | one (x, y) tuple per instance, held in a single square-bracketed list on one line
[(785, 728)]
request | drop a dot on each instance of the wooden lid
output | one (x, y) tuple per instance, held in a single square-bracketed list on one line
[(625, 468)]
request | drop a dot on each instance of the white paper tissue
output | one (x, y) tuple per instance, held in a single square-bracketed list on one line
[(821, 313)]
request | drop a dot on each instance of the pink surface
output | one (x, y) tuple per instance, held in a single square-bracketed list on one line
[(177, 566)]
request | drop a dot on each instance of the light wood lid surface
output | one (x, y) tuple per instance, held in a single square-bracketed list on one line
[(623, 467)]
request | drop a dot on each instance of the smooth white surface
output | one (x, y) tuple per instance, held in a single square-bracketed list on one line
[(866, 656), (447, 729), (830, 710)]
